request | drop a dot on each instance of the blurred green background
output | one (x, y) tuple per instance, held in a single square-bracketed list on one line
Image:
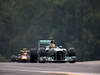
[(76, 22)]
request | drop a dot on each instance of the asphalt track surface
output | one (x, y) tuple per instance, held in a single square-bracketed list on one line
[(78, 68)]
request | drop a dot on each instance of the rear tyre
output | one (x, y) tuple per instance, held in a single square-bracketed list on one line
[(72, 61), (71, 53), (33, 56)]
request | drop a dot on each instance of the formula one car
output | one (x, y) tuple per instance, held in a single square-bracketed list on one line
[(23, 56), (52, 53)]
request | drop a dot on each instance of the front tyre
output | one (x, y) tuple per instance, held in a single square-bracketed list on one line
[(72, 61)]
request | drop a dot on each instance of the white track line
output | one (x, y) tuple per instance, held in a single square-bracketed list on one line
[(52, 72)]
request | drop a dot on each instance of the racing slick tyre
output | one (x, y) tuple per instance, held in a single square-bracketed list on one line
[(33, 56), (72, 61), (42, 53), (71, 53)]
